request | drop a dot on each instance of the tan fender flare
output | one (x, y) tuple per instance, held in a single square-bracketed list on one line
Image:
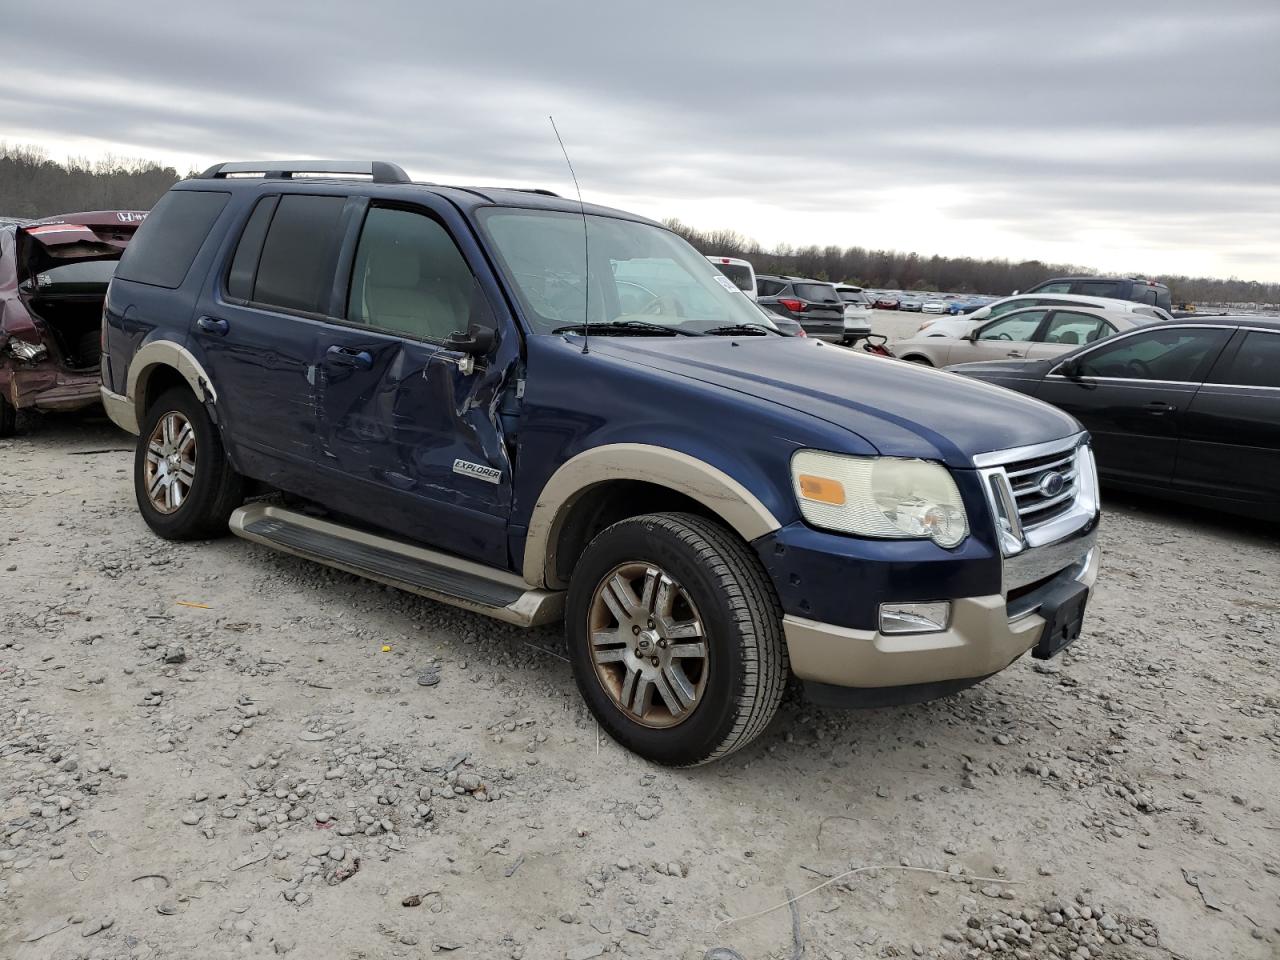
[(158, 353), (713, 488)]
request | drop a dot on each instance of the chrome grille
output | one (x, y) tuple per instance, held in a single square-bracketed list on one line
[(1040, 494), (1029, 478)]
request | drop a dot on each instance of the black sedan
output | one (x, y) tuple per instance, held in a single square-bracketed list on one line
[(1187, 410)]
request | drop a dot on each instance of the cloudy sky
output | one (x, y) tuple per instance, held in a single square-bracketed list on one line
[(1134, 136)]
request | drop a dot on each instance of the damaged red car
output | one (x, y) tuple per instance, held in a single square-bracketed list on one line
[(53, 280)]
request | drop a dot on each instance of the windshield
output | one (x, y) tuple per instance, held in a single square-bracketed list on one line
[(639, 272), (853, 296)]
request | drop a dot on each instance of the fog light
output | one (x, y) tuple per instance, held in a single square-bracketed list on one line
[(915, 617)]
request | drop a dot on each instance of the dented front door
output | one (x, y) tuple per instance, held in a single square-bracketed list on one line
[(408, 430)]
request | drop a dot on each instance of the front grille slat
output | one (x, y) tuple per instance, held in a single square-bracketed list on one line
[(1024, 476), (1030, 487), (1040, 466)]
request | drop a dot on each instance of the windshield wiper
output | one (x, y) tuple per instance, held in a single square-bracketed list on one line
[(741, 329), (634, 327)]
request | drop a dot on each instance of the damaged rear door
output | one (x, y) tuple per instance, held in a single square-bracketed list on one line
[(410, 435)]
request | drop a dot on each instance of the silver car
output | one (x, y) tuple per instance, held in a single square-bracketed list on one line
[(1032, 333)]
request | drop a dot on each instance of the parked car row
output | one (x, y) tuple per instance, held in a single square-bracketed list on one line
[(835, 313)]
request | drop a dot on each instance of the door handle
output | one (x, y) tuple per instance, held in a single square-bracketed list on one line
[(347, 357), (1016, 354), (1158, 408), (214, 325)]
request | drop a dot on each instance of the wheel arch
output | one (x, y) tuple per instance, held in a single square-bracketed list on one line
[(155, 368), (612, 482)]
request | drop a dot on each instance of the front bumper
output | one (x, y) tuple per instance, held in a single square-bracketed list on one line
[(48, 388), (986, 634)]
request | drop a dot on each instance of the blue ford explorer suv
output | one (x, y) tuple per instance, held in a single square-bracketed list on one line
[(538, 410)]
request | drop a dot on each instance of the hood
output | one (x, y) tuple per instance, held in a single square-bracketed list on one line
[(901, 409)]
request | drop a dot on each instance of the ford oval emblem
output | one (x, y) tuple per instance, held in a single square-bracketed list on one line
[(1051, 484)]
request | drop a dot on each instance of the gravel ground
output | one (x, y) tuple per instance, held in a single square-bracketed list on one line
[(210, 750)]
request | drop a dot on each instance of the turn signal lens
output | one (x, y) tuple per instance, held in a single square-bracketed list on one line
[(821, 489)]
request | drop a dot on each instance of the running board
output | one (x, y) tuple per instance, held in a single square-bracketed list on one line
[(449, 579)]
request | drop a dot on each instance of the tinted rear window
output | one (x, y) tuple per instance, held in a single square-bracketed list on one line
[(817, 292), (852, 296), (741, 276), (295, 270), (165, 245), (1256, 363), (1105, 288)]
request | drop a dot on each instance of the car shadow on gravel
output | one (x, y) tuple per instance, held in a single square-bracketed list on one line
[(1189, 518), (91, 426)]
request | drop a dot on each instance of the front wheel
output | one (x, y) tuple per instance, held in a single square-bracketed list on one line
[(185, 487), (675, 637), (920, 360)]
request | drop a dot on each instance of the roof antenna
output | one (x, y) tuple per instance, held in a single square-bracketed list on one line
[(586, 245)]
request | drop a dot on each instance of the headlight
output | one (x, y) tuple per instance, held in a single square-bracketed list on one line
[(879, 497)]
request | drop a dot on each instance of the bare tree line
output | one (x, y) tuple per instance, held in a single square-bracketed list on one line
[(32, 185), (895, 270)]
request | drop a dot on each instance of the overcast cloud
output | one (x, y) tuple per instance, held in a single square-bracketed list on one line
[(1127, 136)]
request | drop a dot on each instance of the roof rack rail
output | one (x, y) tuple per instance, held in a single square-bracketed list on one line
[(380, 170), (541, 191)]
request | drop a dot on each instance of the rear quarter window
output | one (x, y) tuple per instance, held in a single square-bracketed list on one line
[(295, 270), (166, 244), (1104, 288), (1256, 363)]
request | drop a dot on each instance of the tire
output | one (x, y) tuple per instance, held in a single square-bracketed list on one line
[(720, 589), (208, 491), (8, 418), (918, 360)]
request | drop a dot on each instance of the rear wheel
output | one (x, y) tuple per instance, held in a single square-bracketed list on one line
[(675, 638), (8, 418), (185, 487)]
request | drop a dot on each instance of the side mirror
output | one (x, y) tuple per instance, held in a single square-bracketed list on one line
[(476, 342), (1070, 369)]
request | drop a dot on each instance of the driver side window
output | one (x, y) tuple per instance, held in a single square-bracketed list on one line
[(1019, 326), (409, 277), (1181, 356)]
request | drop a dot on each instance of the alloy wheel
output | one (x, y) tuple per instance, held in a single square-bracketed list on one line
[(648, 645), (171, 462)]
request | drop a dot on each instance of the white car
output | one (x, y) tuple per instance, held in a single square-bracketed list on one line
[(857, 310), (934, 306), (961, 325), (739, 272)]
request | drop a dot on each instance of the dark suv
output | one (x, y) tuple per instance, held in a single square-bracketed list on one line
[(813, 304), (1117, 288), (463, 402)]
